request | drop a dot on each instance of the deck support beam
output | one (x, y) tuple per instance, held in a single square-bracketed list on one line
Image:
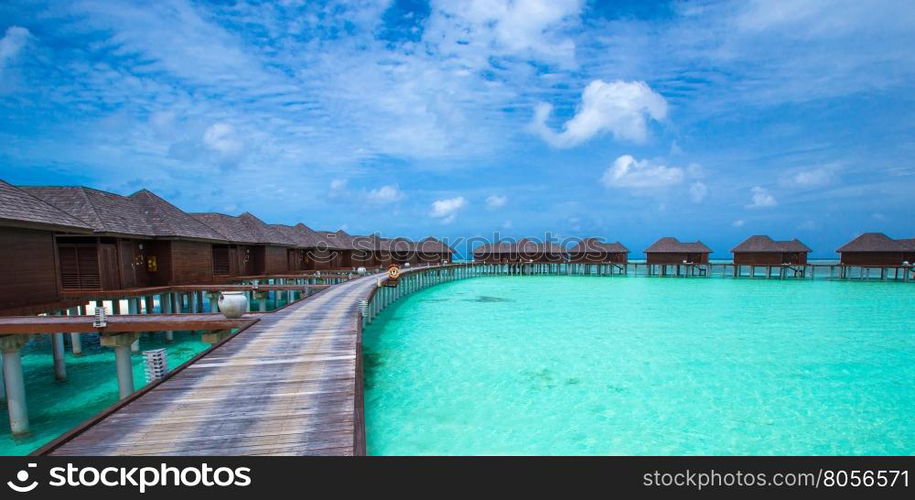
[(214, 301), (165, 304), (76, 342), (15, 384), (122, 343), (57, 352)]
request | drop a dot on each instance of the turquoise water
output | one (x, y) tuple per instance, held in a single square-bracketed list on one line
[(595, 366), (91, 386)]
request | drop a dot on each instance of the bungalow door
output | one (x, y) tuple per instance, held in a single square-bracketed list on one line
[(108, 267)]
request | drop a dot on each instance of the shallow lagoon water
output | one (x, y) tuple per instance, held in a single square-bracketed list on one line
[(625, 365), (91, 386)]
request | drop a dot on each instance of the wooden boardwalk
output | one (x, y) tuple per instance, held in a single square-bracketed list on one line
[(284, 386)]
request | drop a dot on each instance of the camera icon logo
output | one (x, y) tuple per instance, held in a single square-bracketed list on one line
[(21, 485)]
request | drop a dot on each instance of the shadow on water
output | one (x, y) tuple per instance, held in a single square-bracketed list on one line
[(487, 299)]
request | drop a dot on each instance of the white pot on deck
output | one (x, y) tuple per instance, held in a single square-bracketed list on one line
[(360, 271), (233, 304)]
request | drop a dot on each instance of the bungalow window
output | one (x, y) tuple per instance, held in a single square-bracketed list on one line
[(221, 266), (79, 267)]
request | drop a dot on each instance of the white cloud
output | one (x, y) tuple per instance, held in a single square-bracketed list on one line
[(698, 192), (761, 198), (338, 184), (479, 28), (621, 108), (385, 194), (496, 201), (738, 223), (447, 209), (814, 177), (11, 44), (221, 138), (627, 172)]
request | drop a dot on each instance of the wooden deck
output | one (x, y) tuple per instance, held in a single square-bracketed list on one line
[(284, 386)]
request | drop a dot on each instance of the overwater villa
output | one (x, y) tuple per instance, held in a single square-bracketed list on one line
[(138, 240), (263, 249), (28, 256), (521, 252), (670, 251), (877, 250), (595, 251), (761, 250)]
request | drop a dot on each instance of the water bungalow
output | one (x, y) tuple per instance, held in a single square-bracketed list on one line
[(432, 251), (877, 250), (524, 251), (691, 257), (255, 248), (335, 251), (595, 251), (137, 240), (28, 256), (762, 251)]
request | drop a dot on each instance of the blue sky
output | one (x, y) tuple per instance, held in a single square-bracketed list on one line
[(628, 120)]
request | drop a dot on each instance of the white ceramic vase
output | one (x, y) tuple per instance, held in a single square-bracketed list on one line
[(233, 304)]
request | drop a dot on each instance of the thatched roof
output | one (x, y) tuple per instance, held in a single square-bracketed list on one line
[(105, 212), (594, 245), (245, 228), (20, 206), (761, 243), (300, 234), (140, 214), (672, 245), (339, 240), (230, 227), (167, 220), (432, 245), (368, 243), (878, 242)]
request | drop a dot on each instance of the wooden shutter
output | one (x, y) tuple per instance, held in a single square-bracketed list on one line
[(221, 266), (69, 268), (79, 267)]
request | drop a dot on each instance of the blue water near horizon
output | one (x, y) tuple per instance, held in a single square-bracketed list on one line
[(642, 366)]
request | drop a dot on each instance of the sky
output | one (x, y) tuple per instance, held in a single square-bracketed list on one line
[(626, 120)]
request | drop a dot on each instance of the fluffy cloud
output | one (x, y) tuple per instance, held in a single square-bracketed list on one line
[(761, 198), (627, 172), (698, 191), (447, 209), (11, 44), (621, 108), (496, 201), (738, 223), (338, 184), (385, 194)]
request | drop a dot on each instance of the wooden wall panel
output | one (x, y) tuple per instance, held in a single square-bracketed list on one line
[(872, 258), (191, 263), (676, 258), (28, 267), (274, 259)]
